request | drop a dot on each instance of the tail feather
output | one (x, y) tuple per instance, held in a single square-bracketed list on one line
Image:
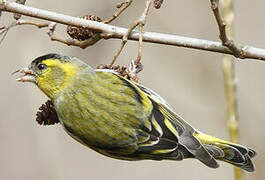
[(251, 153), (245, 150), (196, 148), (239, 156), (215, 151), (247, 165), (234, 154)]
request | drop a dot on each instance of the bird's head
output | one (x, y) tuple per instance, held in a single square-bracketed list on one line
[(52, 72)]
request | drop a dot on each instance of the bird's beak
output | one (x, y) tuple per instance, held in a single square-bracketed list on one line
[(27, 75)]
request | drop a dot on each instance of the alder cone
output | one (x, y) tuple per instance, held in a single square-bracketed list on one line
[(83, 33)]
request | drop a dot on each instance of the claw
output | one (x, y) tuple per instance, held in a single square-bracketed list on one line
[(134, 69)]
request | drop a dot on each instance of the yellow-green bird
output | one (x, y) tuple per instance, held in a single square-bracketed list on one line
[(122, 119)]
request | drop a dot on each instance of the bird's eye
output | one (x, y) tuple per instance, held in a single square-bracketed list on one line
[(42, 66)]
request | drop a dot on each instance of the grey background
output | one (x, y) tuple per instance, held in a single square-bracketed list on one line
[(190, 80)]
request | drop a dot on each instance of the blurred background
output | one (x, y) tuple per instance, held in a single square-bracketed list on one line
[(190, 80)]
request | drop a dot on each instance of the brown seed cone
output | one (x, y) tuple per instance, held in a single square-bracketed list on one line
[(122, 70), (158, 3), (47, 114), (82, 33)]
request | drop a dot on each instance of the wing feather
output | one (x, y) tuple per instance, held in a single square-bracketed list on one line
[(176, 129)]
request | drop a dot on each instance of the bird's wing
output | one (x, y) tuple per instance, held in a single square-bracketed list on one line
[(167, 125), (157, 130)]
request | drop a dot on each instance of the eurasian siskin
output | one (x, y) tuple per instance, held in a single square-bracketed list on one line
[(122, 119)]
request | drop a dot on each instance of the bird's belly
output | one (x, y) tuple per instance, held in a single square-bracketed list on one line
[(99, 124), (114, 147), (97, 130)]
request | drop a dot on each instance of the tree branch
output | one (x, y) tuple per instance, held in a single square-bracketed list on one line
[(236, 49), (18, 16), (140, 22), (109, 31), (122, 7)]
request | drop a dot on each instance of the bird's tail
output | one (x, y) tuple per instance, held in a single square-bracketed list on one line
[(235, 154)]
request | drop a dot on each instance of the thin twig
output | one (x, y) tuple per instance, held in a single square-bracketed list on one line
[(116, 55), (140, 22), (4, 31), (123, 42), (3, 34), (53, 37), (122, 7), (237, 50), (28, 22), (110, 31), (72, 42), (230, 83)]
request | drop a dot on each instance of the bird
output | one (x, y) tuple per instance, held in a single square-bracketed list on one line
[(122, 119)]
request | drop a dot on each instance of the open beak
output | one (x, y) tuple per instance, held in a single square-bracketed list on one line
[(27, 75)]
